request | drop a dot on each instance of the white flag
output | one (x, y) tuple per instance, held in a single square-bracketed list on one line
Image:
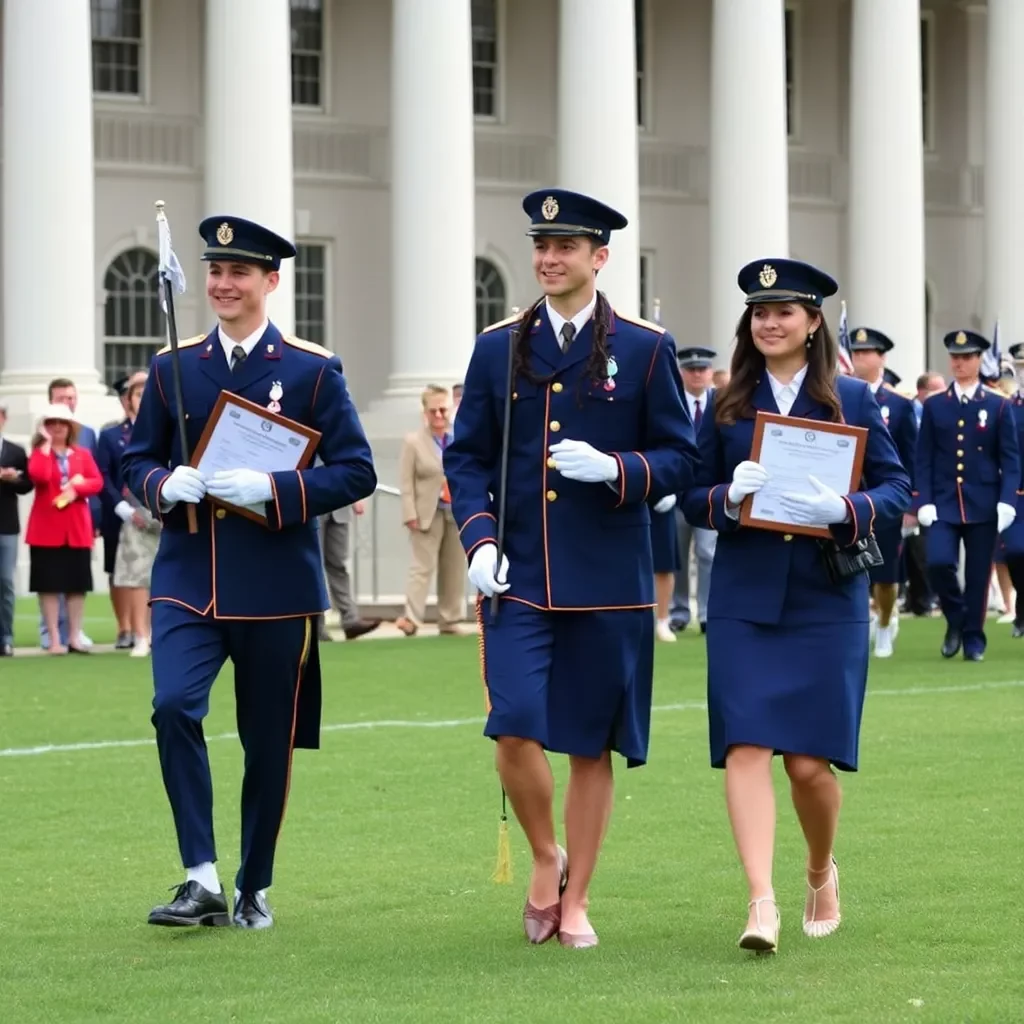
[(170, 268)]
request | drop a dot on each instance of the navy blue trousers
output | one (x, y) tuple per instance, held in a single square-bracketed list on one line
[(189, 651), (964, 611)]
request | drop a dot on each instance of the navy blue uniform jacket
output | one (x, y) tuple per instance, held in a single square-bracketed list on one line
[(571, 546), (110, 446), (780, 579), (236, 568), (967, 456)]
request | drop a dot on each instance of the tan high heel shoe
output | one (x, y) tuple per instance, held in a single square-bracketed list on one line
[(763, 937), (813, 928)]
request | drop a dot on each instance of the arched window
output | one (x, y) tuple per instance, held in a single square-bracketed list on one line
[(133, 322), (490, 294)]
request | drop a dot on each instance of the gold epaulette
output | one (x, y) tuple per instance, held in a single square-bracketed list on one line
[(185, 343), (640, 322), (307, 346), (502, 323)]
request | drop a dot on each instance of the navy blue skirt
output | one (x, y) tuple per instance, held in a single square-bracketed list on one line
[(665, 541), (795, 689), (890, 545)]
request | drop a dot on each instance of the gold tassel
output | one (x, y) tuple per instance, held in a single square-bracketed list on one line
[(503, 869)]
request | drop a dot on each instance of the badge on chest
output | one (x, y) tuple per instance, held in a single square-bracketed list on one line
[(276, 394)]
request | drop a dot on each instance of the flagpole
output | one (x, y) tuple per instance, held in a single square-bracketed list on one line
[(172, 331)]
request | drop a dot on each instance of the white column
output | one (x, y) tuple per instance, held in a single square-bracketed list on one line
[(597, 130), (749, 154), (885, 215), (248, 119), (49, 282), (433, 192), (1004, 199)]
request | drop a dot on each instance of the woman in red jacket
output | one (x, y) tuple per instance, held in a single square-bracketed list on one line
[(60, 531)]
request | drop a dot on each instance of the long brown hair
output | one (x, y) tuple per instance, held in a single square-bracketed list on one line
[(735, 400), (597, 361)]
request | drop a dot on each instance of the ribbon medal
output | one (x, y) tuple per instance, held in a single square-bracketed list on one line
[(610, 370), (982, 418), (885, 415), (276, 394)]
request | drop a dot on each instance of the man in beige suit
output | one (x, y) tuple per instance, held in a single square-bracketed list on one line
[(427, 514)]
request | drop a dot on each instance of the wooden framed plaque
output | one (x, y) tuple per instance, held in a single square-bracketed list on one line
[(791, 449), (243, 435)]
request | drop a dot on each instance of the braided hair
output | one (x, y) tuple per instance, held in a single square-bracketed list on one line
[(597, 362)]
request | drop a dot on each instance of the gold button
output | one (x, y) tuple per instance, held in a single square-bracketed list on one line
[(959, 479), (959, 437), (556, 426), (221, 513), (551, 495), (515, 395), (551, 463), (959, 423), (960, 467), (556, 387), (788, 537), (960, 454)]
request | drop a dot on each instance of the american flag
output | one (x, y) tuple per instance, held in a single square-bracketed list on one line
[(845, 359)]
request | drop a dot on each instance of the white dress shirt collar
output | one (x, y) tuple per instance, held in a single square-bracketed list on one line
[(785, 394), (578, 321), (969, 393), (692, 400), (248, 343), (876, 385)]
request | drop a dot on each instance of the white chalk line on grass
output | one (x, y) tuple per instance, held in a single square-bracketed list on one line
[(455, 723)]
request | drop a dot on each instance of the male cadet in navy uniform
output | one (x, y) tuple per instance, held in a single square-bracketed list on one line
[(868, 348), (239, 589), (967, 475), (695, 363), (110, 446), (598, 426)]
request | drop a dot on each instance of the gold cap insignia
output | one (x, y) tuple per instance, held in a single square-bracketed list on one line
[(549, 208), (862, 335), (961, 338), (767, 277), (224, 234)]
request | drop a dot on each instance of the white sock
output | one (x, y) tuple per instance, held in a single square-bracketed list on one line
[(663, 622), (206, 875)]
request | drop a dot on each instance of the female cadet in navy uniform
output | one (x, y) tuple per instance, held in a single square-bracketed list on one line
[(598, 428), (787, 647), (967, 474), (868, 348), (665, 557), (1011, 540)]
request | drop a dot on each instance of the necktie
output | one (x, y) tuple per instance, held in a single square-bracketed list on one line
[(964, 399), (697, 414), (568, 333), (237, 358)]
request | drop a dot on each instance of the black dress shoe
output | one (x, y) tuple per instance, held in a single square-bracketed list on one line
[(6, 651), (973, 656), (124, 642), (1018, 630), (951, 643), (251, 911), (192, 905), (703, 627), (361, 628)]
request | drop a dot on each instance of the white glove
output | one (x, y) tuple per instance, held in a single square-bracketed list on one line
[(1005, 515), (577, 460), (240, 486), (184, 484), (822, 508), (124, 511), (481, 571), (747, 478), (926, 515), (666, 504)]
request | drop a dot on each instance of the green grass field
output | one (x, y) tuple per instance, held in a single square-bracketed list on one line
[(384, 905)]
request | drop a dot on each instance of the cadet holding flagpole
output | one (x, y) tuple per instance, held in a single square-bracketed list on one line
[(246, 589), (593, 424)]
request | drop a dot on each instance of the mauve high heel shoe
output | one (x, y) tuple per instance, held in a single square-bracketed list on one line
[(541, 923)]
